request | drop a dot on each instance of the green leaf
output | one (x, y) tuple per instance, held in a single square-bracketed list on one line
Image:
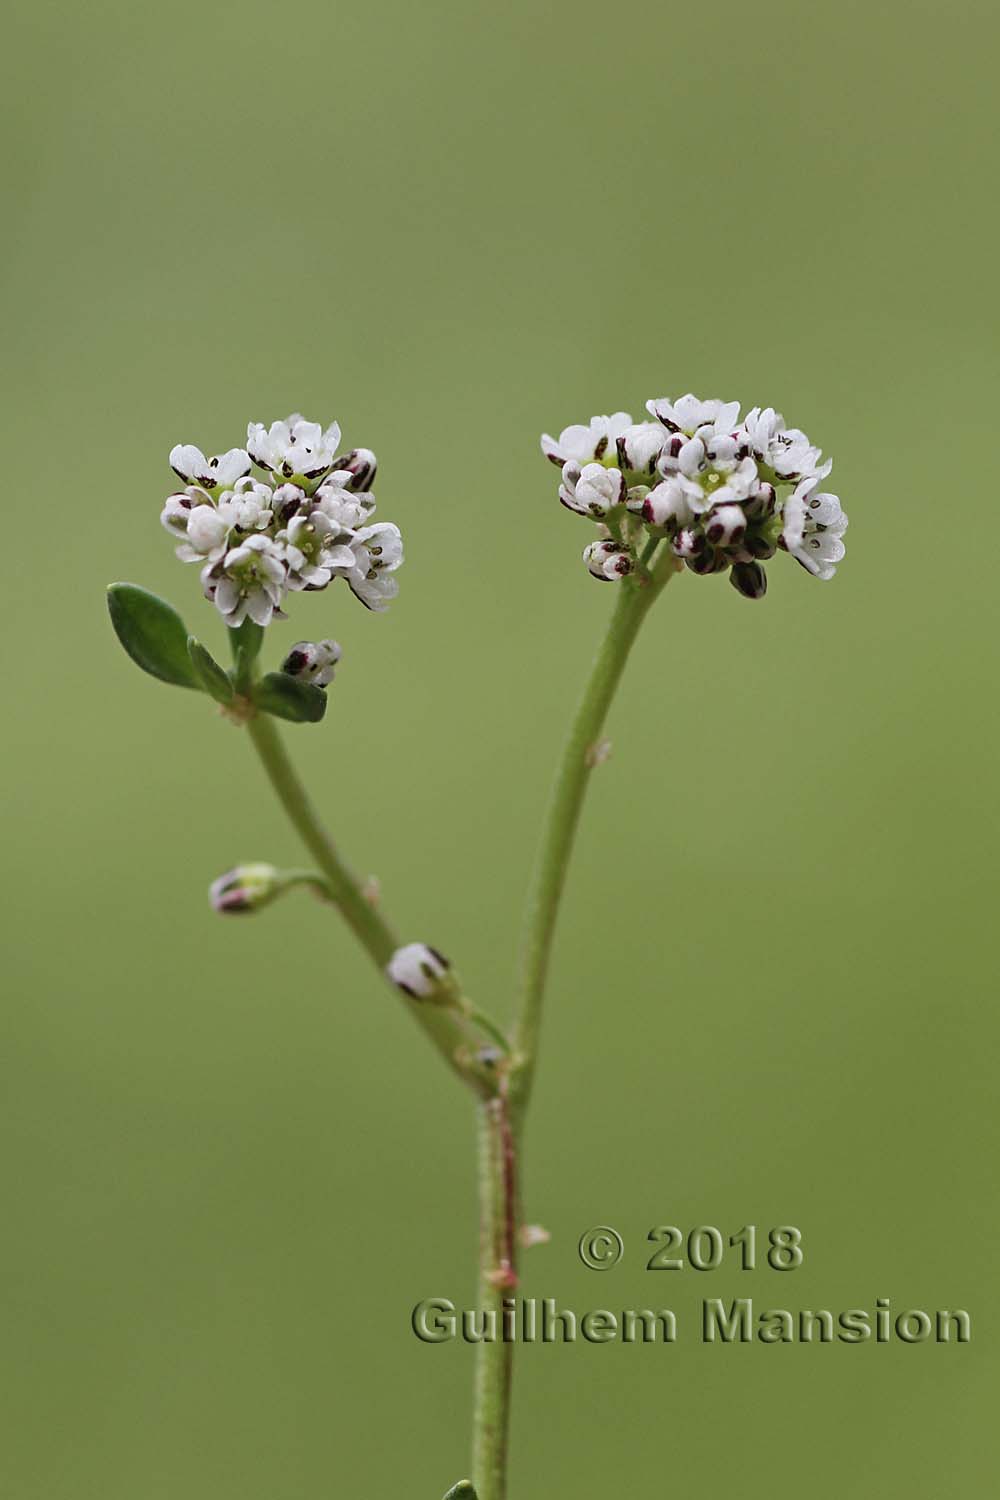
[(462, 1491), (153, 634), (288, 698), (213, 679), (246, 640)]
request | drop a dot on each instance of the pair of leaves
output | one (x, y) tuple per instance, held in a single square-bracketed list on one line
[(156, 638)]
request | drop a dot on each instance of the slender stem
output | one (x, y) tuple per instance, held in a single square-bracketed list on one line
[(497, 1276), (447, 1028), (636, 595)]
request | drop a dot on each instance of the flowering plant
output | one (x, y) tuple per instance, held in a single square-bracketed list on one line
[(694, 489)]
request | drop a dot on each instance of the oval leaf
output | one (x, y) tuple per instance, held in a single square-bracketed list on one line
[(288, 698), (462, 1491), (213, 679), (153, 634)]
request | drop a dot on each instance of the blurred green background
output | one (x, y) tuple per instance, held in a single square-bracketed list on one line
[(230, 1165)]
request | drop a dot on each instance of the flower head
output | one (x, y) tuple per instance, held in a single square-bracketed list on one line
[(306, 523), (700, 486)]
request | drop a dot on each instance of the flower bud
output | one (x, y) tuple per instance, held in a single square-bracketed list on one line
[(749, 579), (761, 502), (206, 529), (726, 525), (592, 490), (688, 543), (706, 561), (641, 446), (418, 970), (288, 501), (312, 661), (667, 505), (607, 560), (759, 545), (246, 888), (361, 464)]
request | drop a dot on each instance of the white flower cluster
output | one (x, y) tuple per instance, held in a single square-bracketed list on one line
[(725, 494), (305, 523)]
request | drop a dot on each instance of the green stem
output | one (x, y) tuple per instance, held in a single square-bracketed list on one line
[(497, 1277), (446, 1028), (636, 596)]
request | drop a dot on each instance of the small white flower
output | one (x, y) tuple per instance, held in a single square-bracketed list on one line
[(708, 471), (343, 506), (224, 469), (690, 415), (792, 456), (379, 546), (584, 444), (813, 529), (375, 590), (294, 447), (417, 970), (313, 661), (178, 507), (592, 490), (608, 560), (247, 507), (310, 546), (758, 431), (378, 552), (641, 446), (249, 580), (207, 533)]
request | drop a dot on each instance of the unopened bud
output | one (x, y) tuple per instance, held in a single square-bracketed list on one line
[(726, 525), (246, 888), (641, 446), (312, 661), (361, 464), (706, 561), (418, 970), (688, 543), (759, 545), (749, 579), (607, 560), (667, 505)]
